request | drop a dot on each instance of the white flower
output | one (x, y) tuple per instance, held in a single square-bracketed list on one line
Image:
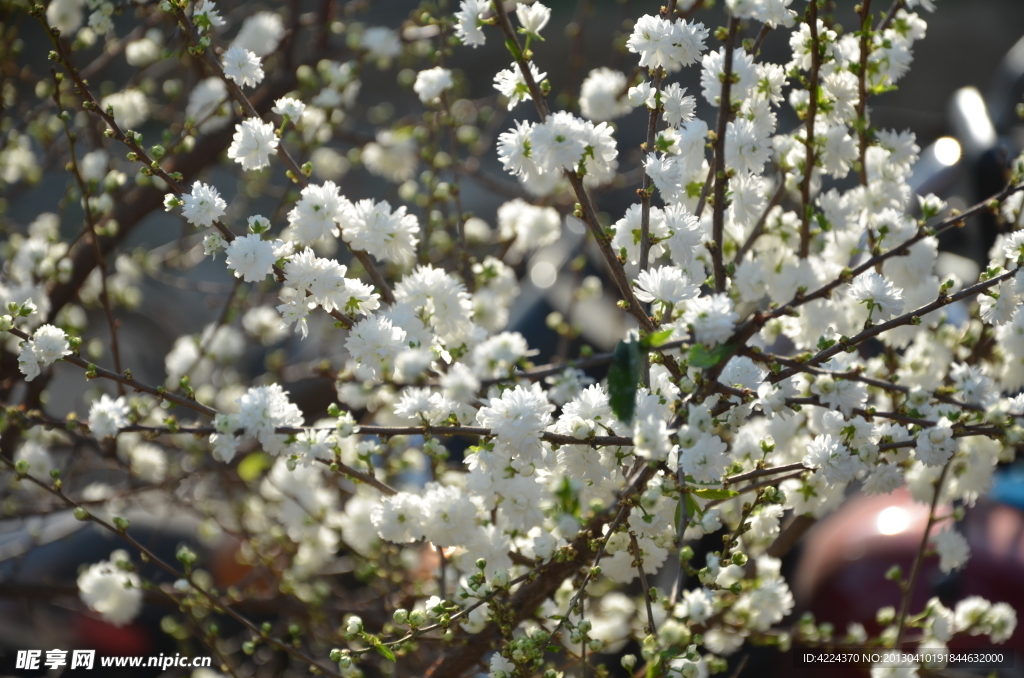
[(392, 156), (832, 459), (679, 108), (518, 418), (100, 22), (668, 44), (206, 16), (876, 292), (500, 667), (148, 462), (515, 149), (450, 515), (205, 101), (468, 28), (697, 605), (243, 67), (261, 410), (318, 212), (512, 84), (665, 284), (250, 257), (260, 34), (705, 459), (883, 479), (386, 235), (146, 50), (112, 592), (253, 143), (289, 108), (528, 226), (533, 17), (203, 205), (952, 549), (38, 459), (558, 142), (601, 95), (431, 83), (374, 343), (399, 518), (107, 416), (935, 445), (745, 150), (130, 106), (65, 15), (381, 42), (712, 318), (48, 344), (839, 394)]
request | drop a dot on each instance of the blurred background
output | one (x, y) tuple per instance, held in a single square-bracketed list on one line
[(959, 99)]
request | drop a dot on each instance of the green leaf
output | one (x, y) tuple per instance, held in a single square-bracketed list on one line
[(692, 507), (623, 377), (700, 356), (382, 649), (254, 465), (714, 493), (655, 340)]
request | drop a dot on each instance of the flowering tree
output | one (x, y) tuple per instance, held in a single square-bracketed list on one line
[(790, 340)]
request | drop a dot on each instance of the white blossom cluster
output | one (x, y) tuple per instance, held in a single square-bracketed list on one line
[(781, 284)]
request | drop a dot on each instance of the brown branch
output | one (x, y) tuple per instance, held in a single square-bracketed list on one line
[(905, 319), (862, 90), (633, 306), (915, 570), (721, 180), (547, 579), (295, 171), (216, 603), (649, 149), (634, 548), (812, 109), (752, 325)]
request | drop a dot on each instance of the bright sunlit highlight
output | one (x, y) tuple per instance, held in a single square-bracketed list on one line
[(543, 274), (947, 151), (892, 520)]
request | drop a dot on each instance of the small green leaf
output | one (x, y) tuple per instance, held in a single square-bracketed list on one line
[(623, 377), (253, 465), (692, 507), (654, 340), (700, 356), (714, 493), (382, 649)]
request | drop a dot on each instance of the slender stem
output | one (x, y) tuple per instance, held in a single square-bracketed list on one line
[(649, 150), (896, 6), (90, 220), (759, 226), (721, 180), (751, 326), (905, 319), (757, 473), (706, 190), (634, 307), (216, 603), (915, 570), (765, 30), (812, 109), (862, 90), (639, 560), (295, 171)]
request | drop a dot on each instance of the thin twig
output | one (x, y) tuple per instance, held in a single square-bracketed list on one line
[(919, 557), (812, 109), (721, 180)]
